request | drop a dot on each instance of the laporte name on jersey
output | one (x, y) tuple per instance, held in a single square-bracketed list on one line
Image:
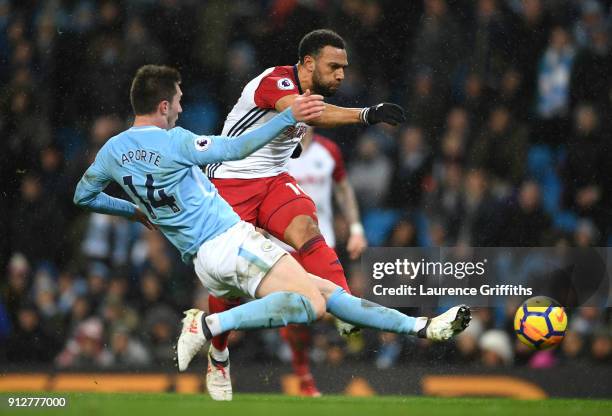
[(142, 155)]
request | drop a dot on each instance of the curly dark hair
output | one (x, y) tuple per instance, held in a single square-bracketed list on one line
[(312, 43)]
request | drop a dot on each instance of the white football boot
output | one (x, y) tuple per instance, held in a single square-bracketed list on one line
[(218, 380), (192, 338), (445, 326)]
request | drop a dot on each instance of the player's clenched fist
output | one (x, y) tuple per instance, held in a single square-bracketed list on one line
[(307, 106), (384, 112)]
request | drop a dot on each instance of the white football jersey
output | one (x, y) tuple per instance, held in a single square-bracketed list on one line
[(256, 106), (316, 170)]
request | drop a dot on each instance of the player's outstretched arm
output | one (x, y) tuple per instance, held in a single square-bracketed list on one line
[(202, 150), (334, 116), (89, 195)]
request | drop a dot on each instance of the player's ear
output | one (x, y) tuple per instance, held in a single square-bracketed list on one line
[(163, 107), (309, 63)]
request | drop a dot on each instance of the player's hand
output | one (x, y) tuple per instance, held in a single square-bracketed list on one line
[(140, 217), (383, 113), (307, 106), (356, 245)]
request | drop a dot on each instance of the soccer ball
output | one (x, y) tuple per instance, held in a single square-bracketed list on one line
[(540, 323)]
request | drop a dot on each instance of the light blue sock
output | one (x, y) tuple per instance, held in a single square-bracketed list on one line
[(272, 311), (363, 313)]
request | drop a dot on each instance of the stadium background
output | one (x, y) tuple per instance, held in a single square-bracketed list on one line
[(507, 144)]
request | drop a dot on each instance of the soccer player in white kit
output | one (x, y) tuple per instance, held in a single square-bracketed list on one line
[(260, 189)]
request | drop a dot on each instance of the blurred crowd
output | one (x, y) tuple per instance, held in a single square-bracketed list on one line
[(506, 144)]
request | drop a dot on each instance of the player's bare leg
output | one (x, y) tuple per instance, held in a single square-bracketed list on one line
[(218, 377), (285, 276), (284, 296), (288, 276), (313, 253)]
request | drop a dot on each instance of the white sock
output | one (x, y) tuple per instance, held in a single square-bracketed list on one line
[(419, 323), (219, 355), (213, 324)]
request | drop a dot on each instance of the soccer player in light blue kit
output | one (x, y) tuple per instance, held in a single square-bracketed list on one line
[(157, 165)]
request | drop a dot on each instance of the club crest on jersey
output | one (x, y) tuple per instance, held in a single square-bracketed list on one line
[(202, 143), (267, 246), (285, 84)]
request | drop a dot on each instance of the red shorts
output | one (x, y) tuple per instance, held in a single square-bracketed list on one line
[(268, 203)]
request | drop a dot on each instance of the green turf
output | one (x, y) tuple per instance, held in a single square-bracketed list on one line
[(92, 404)]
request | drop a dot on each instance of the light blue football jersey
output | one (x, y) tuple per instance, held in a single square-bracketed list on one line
[(159, 170)]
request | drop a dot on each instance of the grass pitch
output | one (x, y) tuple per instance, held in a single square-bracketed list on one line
[(170, 404)]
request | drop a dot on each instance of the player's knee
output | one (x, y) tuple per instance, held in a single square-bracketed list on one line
[(302, 229), (327, 288), (310, 228), (319, 306)]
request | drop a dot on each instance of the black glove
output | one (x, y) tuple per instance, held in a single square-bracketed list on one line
[(383, 113), (297, 151)]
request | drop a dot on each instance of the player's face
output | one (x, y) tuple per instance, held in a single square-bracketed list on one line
[(174, 109), (329, 70)]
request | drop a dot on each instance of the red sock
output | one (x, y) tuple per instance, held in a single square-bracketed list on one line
[(216, 305), (298, 337), (321, 260)]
